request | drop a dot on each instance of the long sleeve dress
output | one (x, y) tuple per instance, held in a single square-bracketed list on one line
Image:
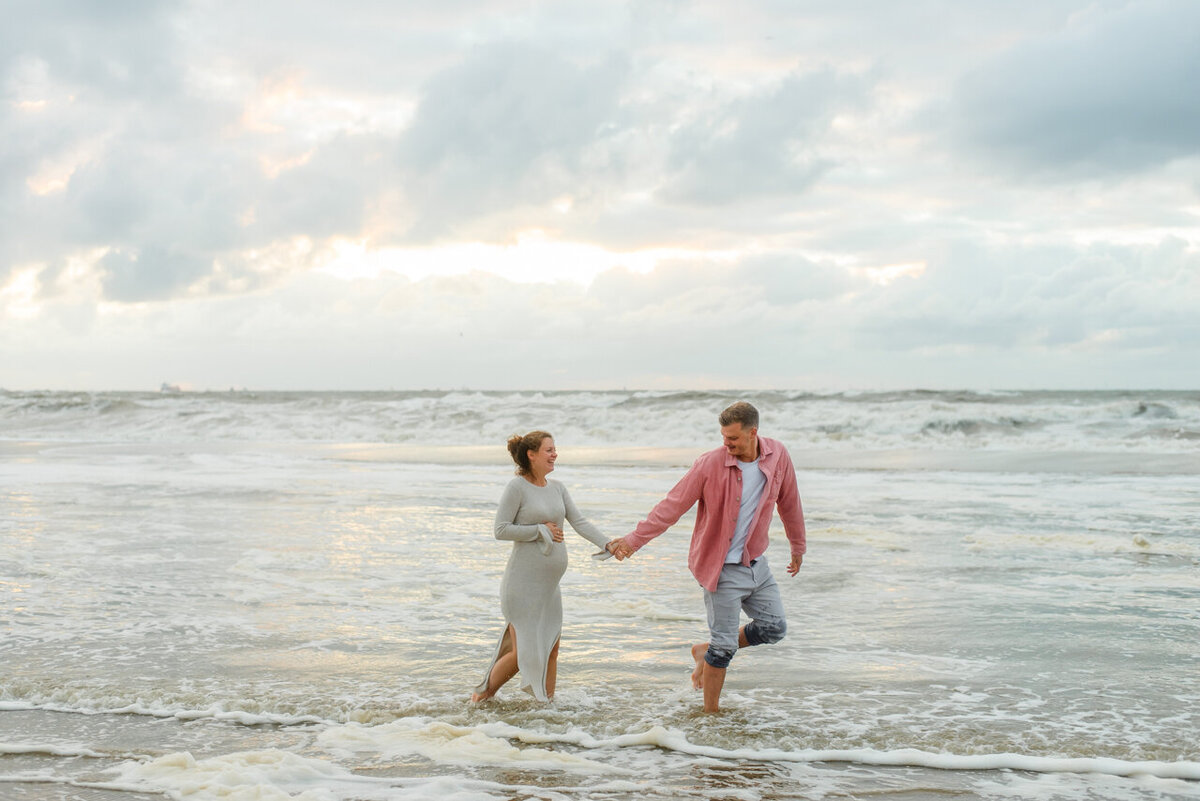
[(529, 596)]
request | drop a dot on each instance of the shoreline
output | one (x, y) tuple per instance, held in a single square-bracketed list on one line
[(887, 460)]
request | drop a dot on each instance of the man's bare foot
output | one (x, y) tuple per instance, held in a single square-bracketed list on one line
[(477, 697), (698, 652)]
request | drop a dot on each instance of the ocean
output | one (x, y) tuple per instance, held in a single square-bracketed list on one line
[(258, 595)]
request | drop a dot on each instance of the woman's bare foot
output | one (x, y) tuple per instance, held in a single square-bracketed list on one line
[(698, 651), (483, 696)]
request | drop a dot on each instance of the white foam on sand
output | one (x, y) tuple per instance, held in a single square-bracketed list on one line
[(275, 775), (492, 744), (247, 776), (675, 740), (57, 750), (83, 702), (1093, 785), (444, 743)]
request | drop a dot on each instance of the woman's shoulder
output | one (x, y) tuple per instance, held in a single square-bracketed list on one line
[(522, 484), (515, 484), (556, 485)]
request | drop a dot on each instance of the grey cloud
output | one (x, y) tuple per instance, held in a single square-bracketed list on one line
[(111, 77), (379, 47), (163, 183), (154, 273), (748, 286), (327, 196), (789, 280), (121, 48), (210, 207), (762, 145), (149, 194), (1115, 93), (17, 157), (107, 56), (1046, 297), (509, 125)]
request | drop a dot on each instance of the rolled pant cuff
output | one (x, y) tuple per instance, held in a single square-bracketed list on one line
[(718, 657)]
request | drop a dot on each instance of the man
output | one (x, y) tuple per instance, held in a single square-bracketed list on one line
[(738, 486)]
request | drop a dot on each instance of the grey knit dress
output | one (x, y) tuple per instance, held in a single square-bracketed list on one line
[(529, 596)]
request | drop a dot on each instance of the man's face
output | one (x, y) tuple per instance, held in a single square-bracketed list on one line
[(741, 442)]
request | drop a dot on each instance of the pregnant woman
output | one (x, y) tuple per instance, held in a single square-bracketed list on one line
[(531, 514)]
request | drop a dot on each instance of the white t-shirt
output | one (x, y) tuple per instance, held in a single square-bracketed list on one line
[(753, 482)]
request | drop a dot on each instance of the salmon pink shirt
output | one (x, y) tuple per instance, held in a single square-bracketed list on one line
[(716, 482)]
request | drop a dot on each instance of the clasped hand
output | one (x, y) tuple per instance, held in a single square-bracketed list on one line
[(619, 548)]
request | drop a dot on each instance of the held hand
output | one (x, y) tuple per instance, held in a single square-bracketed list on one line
[(619, 548), (556, 532), (794, 567)]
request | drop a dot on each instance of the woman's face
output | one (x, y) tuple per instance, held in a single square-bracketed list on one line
[(542, 460)]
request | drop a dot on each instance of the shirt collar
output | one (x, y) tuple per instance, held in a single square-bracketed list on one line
[(764, 448)]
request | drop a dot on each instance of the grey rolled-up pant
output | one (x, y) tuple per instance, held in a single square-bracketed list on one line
[(753, 590)]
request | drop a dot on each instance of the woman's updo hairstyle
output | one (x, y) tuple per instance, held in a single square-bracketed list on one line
[(519, 447)]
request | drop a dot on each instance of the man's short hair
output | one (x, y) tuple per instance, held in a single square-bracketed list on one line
[(740, 412)]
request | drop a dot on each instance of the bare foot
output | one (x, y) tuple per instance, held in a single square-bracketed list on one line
[(477, 697), (698, 651)]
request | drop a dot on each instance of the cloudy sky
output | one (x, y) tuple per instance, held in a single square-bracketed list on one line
[(374, 194)]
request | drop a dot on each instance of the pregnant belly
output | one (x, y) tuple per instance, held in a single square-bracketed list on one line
[(556, 560), (529, 561)]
